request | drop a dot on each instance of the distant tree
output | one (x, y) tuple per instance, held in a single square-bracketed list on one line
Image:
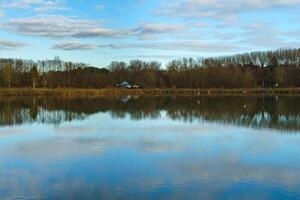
[(256, 69), (7, 73), (249, 79), (280, 74), (34, 76)]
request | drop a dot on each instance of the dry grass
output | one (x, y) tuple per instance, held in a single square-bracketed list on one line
[(75, 92)]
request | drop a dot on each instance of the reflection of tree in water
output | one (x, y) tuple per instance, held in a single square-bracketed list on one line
[(17, 111), (137, 108), (261, 112)]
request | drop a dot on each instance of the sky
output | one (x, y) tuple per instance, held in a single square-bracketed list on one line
[(98, 32)]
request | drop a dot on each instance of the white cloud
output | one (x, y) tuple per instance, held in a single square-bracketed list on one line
[(142, 30), (218, 9), (57, 26), (11, 45), (35, 5), (173, 46), (99, 32), (147, 28), (155, 30), (265, 35), (74, 46), (49, 26)]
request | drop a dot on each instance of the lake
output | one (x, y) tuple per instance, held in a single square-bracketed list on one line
[(150, 147)]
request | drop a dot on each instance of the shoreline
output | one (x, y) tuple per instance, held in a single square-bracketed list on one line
[(78, 92)]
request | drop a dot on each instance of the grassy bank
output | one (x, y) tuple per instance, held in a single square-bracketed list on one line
[(66, 92), (72, 92)]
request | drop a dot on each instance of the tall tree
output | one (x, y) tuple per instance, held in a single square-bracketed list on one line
[(7, 73), (34, 76)]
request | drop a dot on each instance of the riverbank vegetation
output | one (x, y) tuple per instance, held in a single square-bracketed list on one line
[(269, 69), (87, 92)]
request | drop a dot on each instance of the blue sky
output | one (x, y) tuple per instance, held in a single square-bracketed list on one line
[(98, 32)]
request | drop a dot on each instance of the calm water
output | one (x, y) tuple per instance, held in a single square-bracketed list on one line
[(150, 148)]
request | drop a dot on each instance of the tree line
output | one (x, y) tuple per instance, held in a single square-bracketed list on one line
[(268, 69)]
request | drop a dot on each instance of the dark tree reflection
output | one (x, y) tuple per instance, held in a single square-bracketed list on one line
[(252, 111)]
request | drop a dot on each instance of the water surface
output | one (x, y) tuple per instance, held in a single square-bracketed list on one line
[(173, 147)]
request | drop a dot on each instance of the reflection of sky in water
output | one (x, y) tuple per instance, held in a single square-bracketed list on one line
[(146, 159)]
